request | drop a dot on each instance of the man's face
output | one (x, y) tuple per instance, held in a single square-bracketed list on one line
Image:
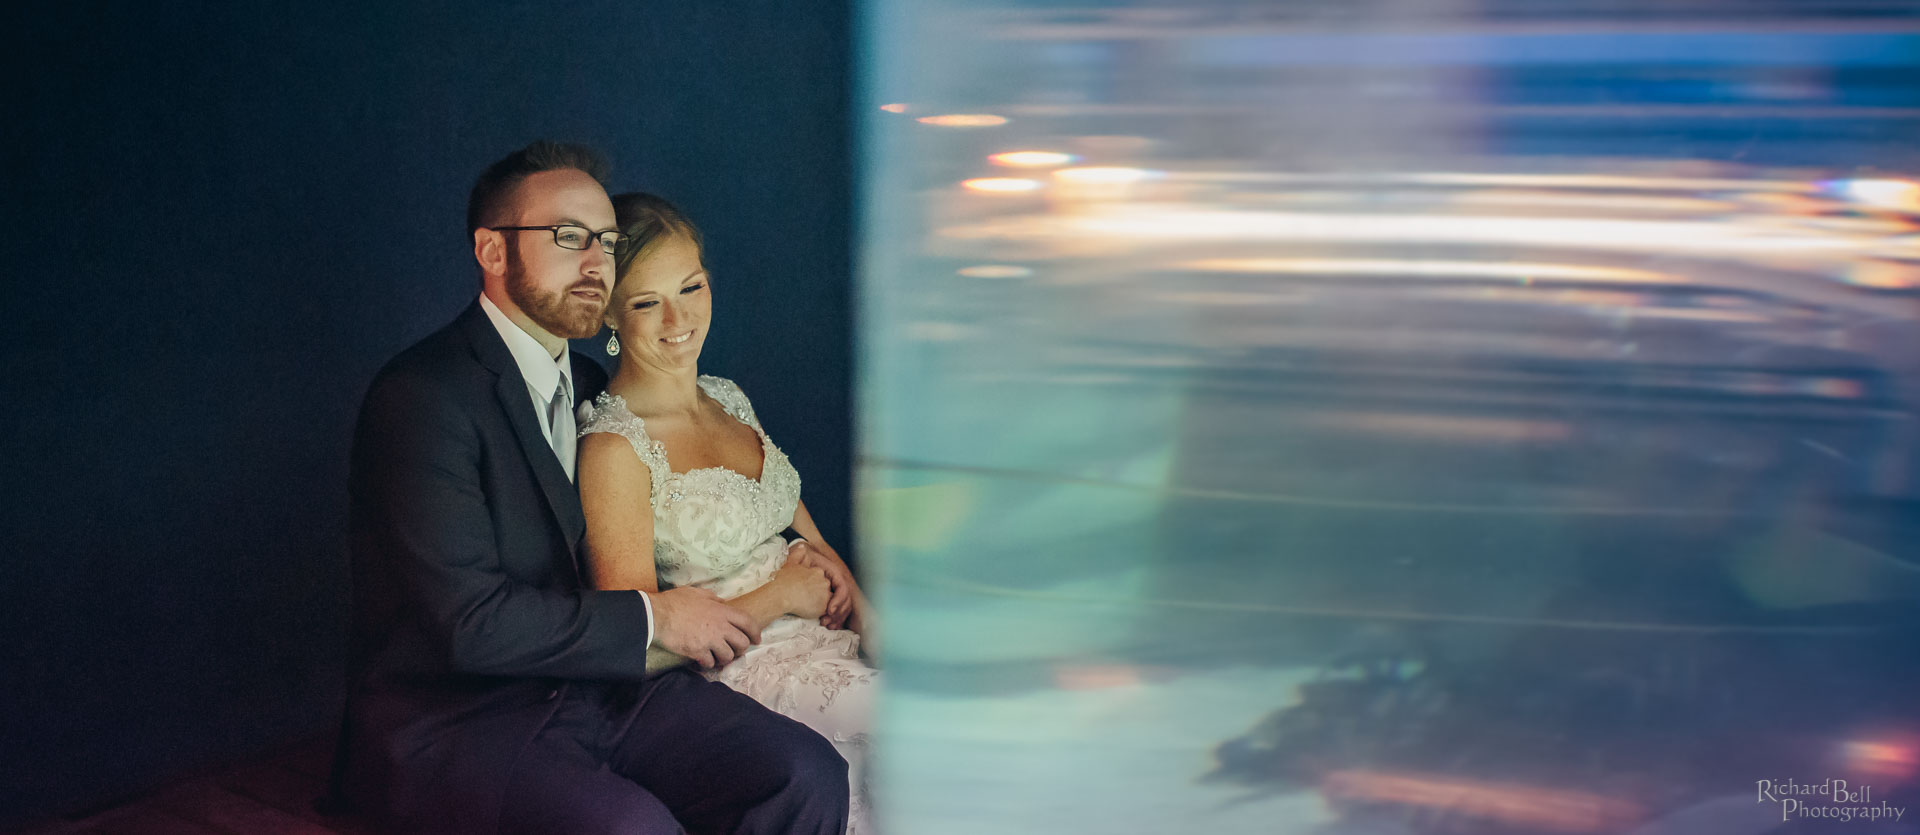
[(562, 290)]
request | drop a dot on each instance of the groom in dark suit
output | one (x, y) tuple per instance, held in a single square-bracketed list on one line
[(492, 690)]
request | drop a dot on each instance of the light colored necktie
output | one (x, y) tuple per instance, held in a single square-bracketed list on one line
[(560, 426)]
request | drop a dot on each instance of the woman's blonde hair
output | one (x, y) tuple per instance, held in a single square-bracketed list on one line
[(647, 220)]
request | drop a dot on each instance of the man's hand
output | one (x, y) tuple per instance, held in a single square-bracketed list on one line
[(699, 625)]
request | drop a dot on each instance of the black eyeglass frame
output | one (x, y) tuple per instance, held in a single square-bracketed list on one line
[(613, 248)]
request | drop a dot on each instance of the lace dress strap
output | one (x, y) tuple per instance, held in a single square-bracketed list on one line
[(731, 398), (609, 413)]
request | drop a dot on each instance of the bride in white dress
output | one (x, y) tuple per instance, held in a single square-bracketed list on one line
[(682, 487)]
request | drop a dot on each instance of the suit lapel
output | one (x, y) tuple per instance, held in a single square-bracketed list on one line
[(562, 495), (511, 391)]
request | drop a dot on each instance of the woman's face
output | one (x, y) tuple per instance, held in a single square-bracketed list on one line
[(661, 307)]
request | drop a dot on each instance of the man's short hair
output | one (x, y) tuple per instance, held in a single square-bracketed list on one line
[(490, 192)]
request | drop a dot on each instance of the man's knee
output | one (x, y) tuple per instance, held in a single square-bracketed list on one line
[(811, 763), (556, 789)]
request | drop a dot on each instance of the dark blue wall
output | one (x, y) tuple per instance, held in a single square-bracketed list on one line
[(221, 221)]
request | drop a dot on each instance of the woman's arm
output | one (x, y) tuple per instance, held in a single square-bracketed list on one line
[(616, 492), (796, 589), (848, 607)]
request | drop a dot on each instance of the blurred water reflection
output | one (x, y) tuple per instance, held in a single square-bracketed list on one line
[(1393, 417)]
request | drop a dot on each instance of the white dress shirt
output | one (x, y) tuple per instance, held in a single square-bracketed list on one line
[(543, 373)]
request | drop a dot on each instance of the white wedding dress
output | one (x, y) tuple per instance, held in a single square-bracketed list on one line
[(719, 530)]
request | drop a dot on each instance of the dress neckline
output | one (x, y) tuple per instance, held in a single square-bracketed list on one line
[(765, 454)]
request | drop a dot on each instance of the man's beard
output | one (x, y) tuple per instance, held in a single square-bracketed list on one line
[(559, 313)]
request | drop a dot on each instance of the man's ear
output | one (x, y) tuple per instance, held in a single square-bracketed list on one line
[(490, 251)]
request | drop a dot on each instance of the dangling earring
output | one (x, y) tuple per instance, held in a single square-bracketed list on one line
[(613, 344)]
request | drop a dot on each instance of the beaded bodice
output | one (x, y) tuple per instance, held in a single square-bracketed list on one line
[(712, 527)]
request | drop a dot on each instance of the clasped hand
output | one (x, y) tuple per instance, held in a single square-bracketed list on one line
[(840, 601), (697, 624)]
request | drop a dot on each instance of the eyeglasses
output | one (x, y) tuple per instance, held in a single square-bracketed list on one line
[(573, 237)]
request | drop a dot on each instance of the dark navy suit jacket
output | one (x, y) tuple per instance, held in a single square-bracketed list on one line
[(472, 610)]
